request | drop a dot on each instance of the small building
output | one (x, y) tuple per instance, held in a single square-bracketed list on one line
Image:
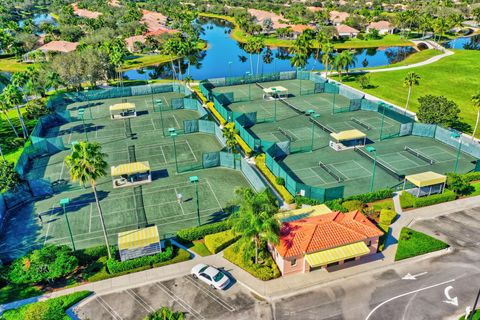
[(338, 17), (123, 110), (260, 16), (275, 93), (138, 243), (131, 174), (298, 29), (324, 241), (426, 183), (347, 139), (84, 13), (344, 31), (59, 46), (383, 27)]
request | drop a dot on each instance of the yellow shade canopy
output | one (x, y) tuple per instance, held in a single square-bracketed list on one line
[(140, 238), (348, 135), (122, 106), (130, 168), (278, 89), (348, 251), (425, 179)]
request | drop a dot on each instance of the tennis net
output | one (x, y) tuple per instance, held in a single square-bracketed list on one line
[(330, 172), (381, 164), (259, 85), (361, 123), (291, 106), (286, 134), (419, 155), (321, 126), (128, 128)]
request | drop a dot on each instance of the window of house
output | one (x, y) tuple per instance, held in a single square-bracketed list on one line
[(293, 262), (369, 243)]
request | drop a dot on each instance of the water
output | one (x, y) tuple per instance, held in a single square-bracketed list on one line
[(38, 18), (464, 43), (225, 57)]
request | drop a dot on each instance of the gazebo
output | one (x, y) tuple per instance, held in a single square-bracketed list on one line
[(274, 93), (426, 183), (137, 243), (131, 174), (123, 110), (347, 139)]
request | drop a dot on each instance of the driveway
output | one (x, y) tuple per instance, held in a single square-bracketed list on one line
[(186, 294)]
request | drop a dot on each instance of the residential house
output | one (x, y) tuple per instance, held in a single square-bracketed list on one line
[(153, 20), (383, 27), (84, 13), (323, 241), (344, 31), (130, 41), (338, 17), (260, 16), (298, 29), (53, 47)]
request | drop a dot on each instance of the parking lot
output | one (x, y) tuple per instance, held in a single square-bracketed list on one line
[(185, 294)]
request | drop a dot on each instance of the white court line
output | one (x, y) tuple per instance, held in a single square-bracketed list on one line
[(219, 205), (214, 297), (318, 176), (166, 102), (176, 121), (48, 226), (191, 150), (61, 170), (153, 123), (163, 155), (406, 294), (293, 134), (108, 308), (180, 301), (181, 207), (140, 301)]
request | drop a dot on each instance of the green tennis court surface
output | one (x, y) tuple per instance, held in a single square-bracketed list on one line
[(125, 208)]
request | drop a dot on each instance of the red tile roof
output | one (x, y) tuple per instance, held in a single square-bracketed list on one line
[(84, 13), (342, 29), (380, 25), (153, 20), (324, 232), (59, 46), (299, 28)]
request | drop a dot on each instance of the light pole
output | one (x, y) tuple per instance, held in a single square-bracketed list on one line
[(81, 113), (249, 86), (159, 104), (314, 115), (64, 202), (275, 104), (300, 78), (173, 134), (383, 120), (374, 151), (456, 135), (194, 180)]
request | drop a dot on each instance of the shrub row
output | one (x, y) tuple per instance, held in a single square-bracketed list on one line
[(218, 241), (387, 217), (195, 233), (115, 266), (260, 161), (472, 176), (372, 196), (215, 112), (409, 201), (248, 151)]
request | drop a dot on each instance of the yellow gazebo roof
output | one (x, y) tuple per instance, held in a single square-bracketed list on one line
[(130, 168), (348, 251), (140, 238), (301, 213), (122, 106), (348, 135), (275, 89), (425, 179)]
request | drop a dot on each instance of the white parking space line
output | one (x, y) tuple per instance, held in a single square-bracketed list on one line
[(140, 300), (109, 309), (217, 299), (195, 314)]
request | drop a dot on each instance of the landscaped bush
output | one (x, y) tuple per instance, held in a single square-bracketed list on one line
[(260, 161), (372, 196), (195, 233), (472, 176), (89, 255), (387, 217), (280, 181), (218, 241), (248, 151), (146, 262), (336, 205), (413, 243), (266, 270), (383, 238), (52, 309), (352, 205), (409, 201), (459, 184)]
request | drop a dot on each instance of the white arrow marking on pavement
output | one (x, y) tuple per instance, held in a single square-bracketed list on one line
[(406, 294), (450, 300), (408, 276)]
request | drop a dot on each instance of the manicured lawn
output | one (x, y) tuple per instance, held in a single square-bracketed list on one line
[(198, 246), (476, 316), (11, 64), (412, 59), (413, 243), (384, 204), (453, 77), (271, 41), (476, 185)]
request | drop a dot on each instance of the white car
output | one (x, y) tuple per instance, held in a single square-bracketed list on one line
[(211, 276)]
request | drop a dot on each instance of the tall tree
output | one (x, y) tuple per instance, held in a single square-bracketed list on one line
[(438, 110), (229, 133), (87, 164), (12, 96), (327, 50), (476, 105), (411, 79)]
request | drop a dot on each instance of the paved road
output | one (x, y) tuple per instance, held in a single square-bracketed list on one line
[(377, 295)]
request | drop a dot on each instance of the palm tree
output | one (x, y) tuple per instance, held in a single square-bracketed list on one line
[(254, 45), (229, 133), (4, 110), (12, 97), (319, 38), (255, 220), (87, 164), (344, 60), (476, 105), (327, 50), (53, 80), (411, 79), (299, 60)]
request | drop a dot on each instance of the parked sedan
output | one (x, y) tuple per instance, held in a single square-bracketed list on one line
[(211, 276)]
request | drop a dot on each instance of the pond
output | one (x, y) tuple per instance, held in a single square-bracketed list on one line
[(464, 43), (39, 18), (226, 57)]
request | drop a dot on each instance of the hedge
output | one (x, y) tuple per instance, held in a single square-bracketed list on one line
[(352, 205), (409, 201), (372, 196), (218, 241), (267, 270), (260, 162), (195, 233), (216, 114), (115, 266), (387, 216), (472, 176), (248, 151)]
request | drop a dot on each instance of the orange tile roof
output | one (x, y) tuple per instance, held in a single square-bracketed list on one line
[(380, 25), (338, 16), (299, 28), (324, 232), (153, 20), (84, 13), (159, 32), (59, 46), (346, 29)]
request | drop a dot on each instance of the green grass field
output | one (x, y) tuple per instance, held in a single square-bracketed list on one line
[(453, 77), (412, 59), (12, 64), (413, 243)]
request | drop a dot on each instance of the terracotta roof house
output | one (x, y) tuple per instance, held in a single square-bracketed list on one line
[(344, 31), (59, 46), (315, 9), (323, 241), (153, 20), (338, 17), (262, 15), (84, 13), (114, 3), (130, 41), (383, 27)]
